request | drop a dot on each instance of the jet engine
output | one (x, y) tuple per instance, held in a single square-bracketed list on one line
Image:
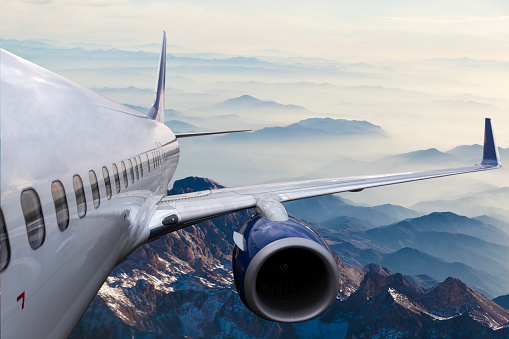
[(284, 271)]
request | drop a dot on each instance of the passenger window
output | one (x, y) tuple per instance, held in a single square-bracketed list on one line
[(141, 166), (81, 200), (117, 178), (148, 162), (107, 183), (136, 169), (130, 164), (5, 249), (34, 220), (60, 201), (95, 188), (124, 171)]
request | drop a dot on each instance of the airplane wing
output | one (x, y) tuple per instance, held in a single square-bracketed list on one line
[(179, 211)]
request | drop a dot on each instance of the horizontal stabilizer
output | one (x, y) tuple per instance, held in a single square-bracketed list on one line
[(199, 134)]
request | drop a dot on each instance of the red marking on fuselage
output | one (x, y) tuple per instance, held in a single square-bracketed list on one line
[(22, 296)]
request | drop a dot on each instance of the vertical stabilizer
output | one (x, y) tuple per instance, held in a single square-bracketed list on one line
[(157, 110)]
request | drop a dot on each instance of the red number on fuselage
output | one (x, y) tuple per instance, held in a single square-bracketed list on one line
[(22, 296)]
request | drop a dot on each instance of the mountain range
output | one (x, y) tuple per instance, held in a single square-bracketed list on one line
[(333, 206), (412, 262), (243, 110), (471, 249), (491, 201), (441, 242), (250, 112), (304, 130), (181, 286)]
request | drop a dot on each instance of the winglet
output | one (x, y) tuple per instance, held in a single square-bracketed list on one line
[(157, 110), (490, 152)]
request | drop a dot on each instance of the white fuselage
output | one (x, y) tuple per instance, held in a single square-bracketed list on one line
[(53, 129)]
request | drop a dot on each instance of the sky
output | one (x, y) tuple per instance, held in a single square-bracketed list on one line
[(346, 30)]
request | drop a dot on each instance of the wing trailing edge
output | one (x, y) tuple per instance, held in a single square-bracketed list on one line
[(157, 110)]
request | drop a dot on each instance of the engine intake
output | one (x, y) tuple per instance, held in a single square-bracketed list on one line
[(287, 272)]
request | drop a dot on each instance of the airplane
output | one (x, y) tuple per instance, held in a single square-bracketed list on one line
[(84, 183)]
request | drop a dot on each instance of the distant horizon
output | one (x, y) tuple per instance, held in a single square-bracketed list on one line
[(271, 53), (337, 30)]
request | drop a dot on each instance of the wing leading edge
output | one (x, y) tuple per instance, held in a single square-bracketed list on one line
[(179, 211)]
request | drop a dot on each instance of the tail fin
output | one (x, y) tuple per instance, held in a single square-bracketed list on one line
[(157, 110)]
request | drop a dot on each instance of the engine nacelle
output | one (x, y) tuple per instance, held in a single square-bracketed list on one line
[(286, 272)]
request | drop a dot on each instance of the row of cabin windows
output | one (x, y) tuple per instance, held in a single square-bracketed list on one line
[(32, 210)]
